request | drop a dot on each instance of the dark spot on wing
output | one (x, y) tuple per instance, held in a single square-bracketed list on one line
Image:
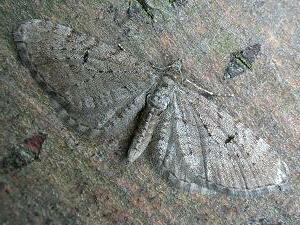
[(85, 57), (206, 127), (229, 139)]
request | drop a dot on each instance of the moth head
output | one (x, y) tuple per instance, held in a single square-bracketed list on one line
[(174, 71)]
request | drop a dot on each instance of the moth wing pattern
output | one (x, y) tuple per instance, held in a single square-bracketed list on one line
[(95, 85), (200, 148)]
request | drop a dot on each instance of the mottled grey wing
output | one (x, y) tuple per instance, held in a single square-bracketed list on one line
[(200, 148), (96, 85)]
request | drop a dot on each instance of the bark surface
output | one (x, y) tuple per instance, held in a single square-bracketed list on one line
[(50, 175)]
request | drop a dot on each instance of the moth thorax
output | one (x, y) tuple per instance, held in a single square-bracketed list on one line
[(171, 78), (160, 99)]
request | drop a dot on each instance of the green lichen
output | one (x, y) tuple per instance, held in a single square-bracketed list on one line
[(224, 43)]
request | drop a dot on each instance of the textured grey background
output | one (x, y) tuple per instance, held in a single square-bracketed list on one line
[(90, 183)]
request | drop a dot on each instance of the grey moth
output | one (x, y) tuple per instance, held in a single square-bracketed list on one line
[(99, 89)]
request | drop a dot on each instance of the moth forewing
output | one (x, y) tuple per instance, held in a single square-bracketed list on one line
[(208, 152), (97, 88)]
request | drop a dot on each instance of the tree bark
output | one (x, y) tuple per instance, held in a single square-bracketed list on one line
[(65, 179)]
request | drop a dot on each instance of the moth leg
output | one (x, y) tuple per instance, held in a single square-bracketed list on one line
[(156, 104)]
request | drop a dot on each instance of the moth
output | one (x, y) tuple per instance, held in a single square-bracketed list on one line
[(98, 88)]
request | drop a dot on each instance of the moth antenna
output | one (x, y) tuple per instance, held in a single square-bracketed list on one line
[(173, 64), (208, 92)]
